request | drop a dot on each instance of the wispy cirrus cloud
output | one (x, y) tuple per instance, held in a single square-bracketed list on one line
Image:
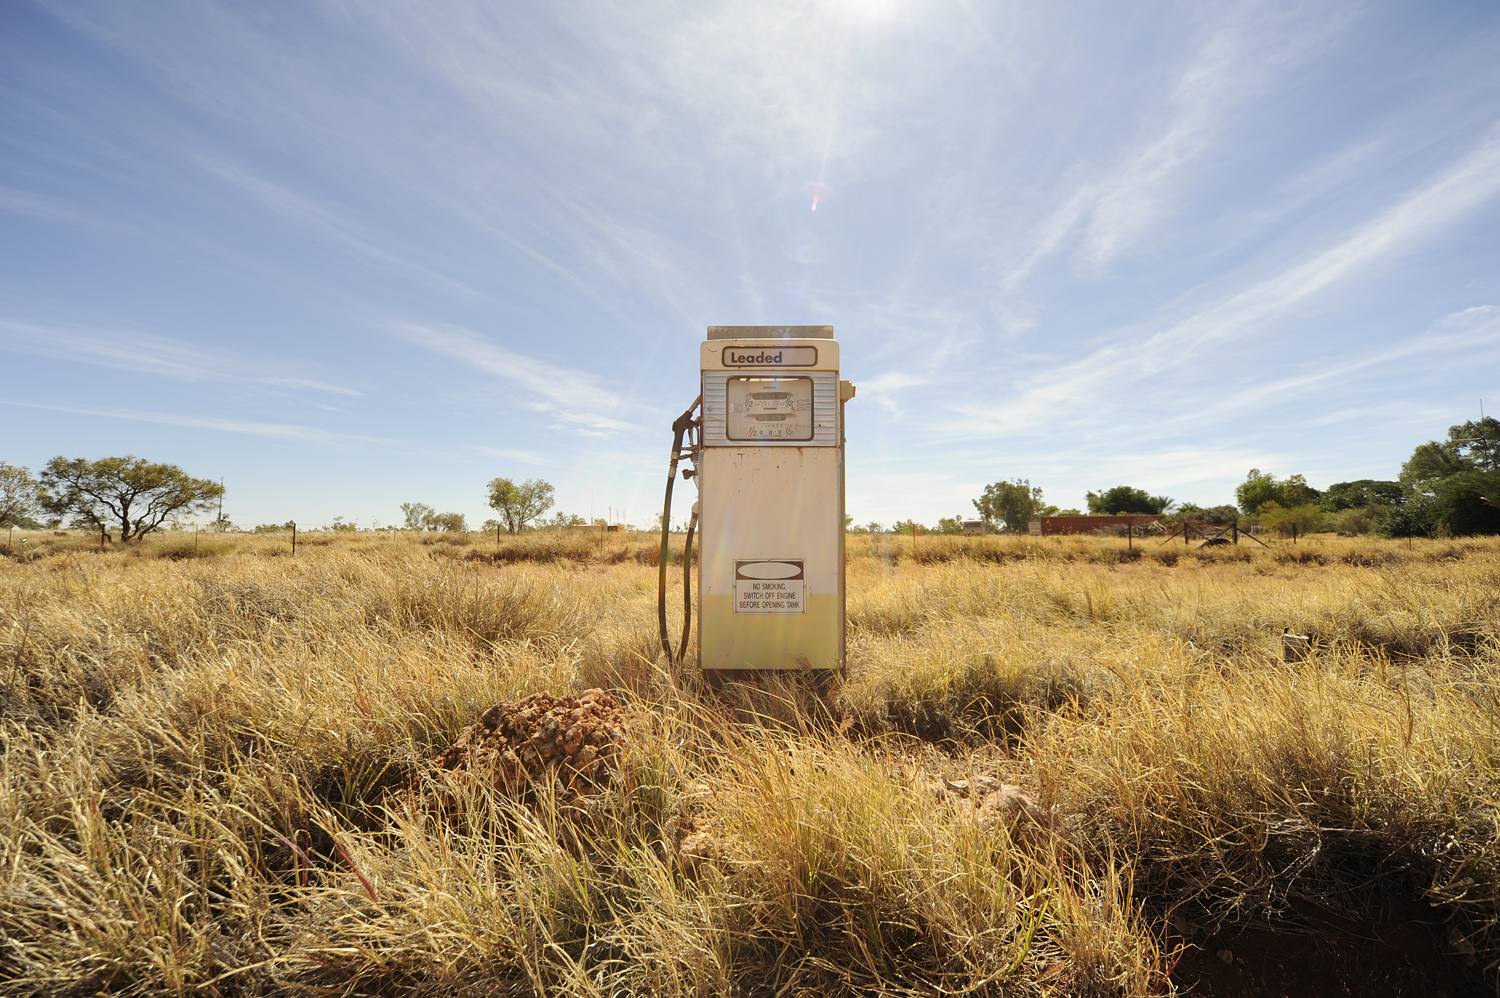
[(244, 427), (575, 399), (127, 350), (303, 210), (510, 454), (1467, 331), (14, 201), (1060, 394), (1121, 201), (1107, 211)]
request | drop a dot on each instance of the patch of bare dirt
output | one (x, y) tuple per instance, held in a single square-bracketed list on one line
[(517, 743)]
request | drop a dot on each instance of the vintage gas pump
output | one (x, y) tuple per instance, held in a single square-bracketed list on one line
[(768, 451)]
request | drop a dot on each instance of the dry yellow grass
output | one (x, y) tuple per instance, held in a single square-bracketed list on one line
[(213, 764)]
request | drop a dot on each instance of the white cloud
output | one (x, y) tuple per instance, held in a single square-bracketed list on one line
[(1120, 203), (254, 428), (1461, 331), (1075, 391), (510, 454), (575, 399), (19, 202), (125, 350), (304, 211)]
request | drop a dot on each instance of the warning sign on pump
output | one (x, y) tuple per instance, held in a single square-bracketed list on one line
[(768, 586)]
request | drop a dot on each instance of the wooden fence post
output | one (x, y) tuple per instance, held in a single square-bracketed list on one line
[(294, 538)]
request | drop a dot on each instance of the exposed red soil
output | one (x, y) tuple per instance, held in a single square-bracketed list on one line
[(518, 742)]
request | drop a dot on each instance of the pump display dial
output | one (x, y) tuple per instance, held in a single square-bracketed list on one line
[(770, 408)]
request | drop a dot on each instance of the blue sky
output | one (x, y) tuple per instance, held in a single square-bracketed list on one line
[(348, 254)]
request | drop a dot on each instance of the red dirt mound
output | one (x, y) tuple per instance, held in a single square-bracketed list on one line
[(517, 742)]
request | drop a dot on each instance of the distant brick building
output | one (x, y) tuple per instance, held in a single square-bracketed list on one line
[(1052, 525)]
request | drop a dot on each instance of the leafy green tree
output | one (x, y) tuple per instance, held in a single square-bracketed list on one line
[(1015, 503), (1363, 492), (1470, 446), (130, 492), (20, 499), (417, 515), (1417, 517), (908, 527), (1261, 487), (949, 525), (1468, 503), (1303, 519), (1478, 443), (518, 503), (1429, 463), (1219, 515), (1455, 483), (273, 528), (452, 523), (1126, 499)]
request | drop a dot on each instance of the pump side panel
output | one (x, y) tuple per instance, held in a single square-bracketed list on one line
[(770, 504)]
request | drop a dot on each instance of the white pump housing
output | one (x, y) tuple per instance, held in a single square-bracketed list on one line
[(771, 499)]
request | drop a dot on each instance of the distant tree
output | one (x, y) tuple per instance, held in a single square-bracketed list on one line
[(273, 528), (130, 492), (1258, 488), (341, 526), (560, 520), (1261, 487), (1429, 463), (1219, 515), (452, 523), (1470, 446), (949, 525), (416, 515), (1468, 503), (908, 527), (1223, 514), (1417, 517), (1358, 520), (1360, 493), (1126, 499), (874, 528), (1015, 503), (1303, 519), (520, 503), (20, 499), (1452, 486)]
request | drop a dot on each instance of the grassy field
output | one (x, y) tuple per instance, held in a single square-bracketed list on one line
[(1056, 767)]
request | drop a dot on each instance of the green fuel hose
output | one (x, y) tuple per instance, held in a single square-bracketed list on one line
[(682, 426)]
